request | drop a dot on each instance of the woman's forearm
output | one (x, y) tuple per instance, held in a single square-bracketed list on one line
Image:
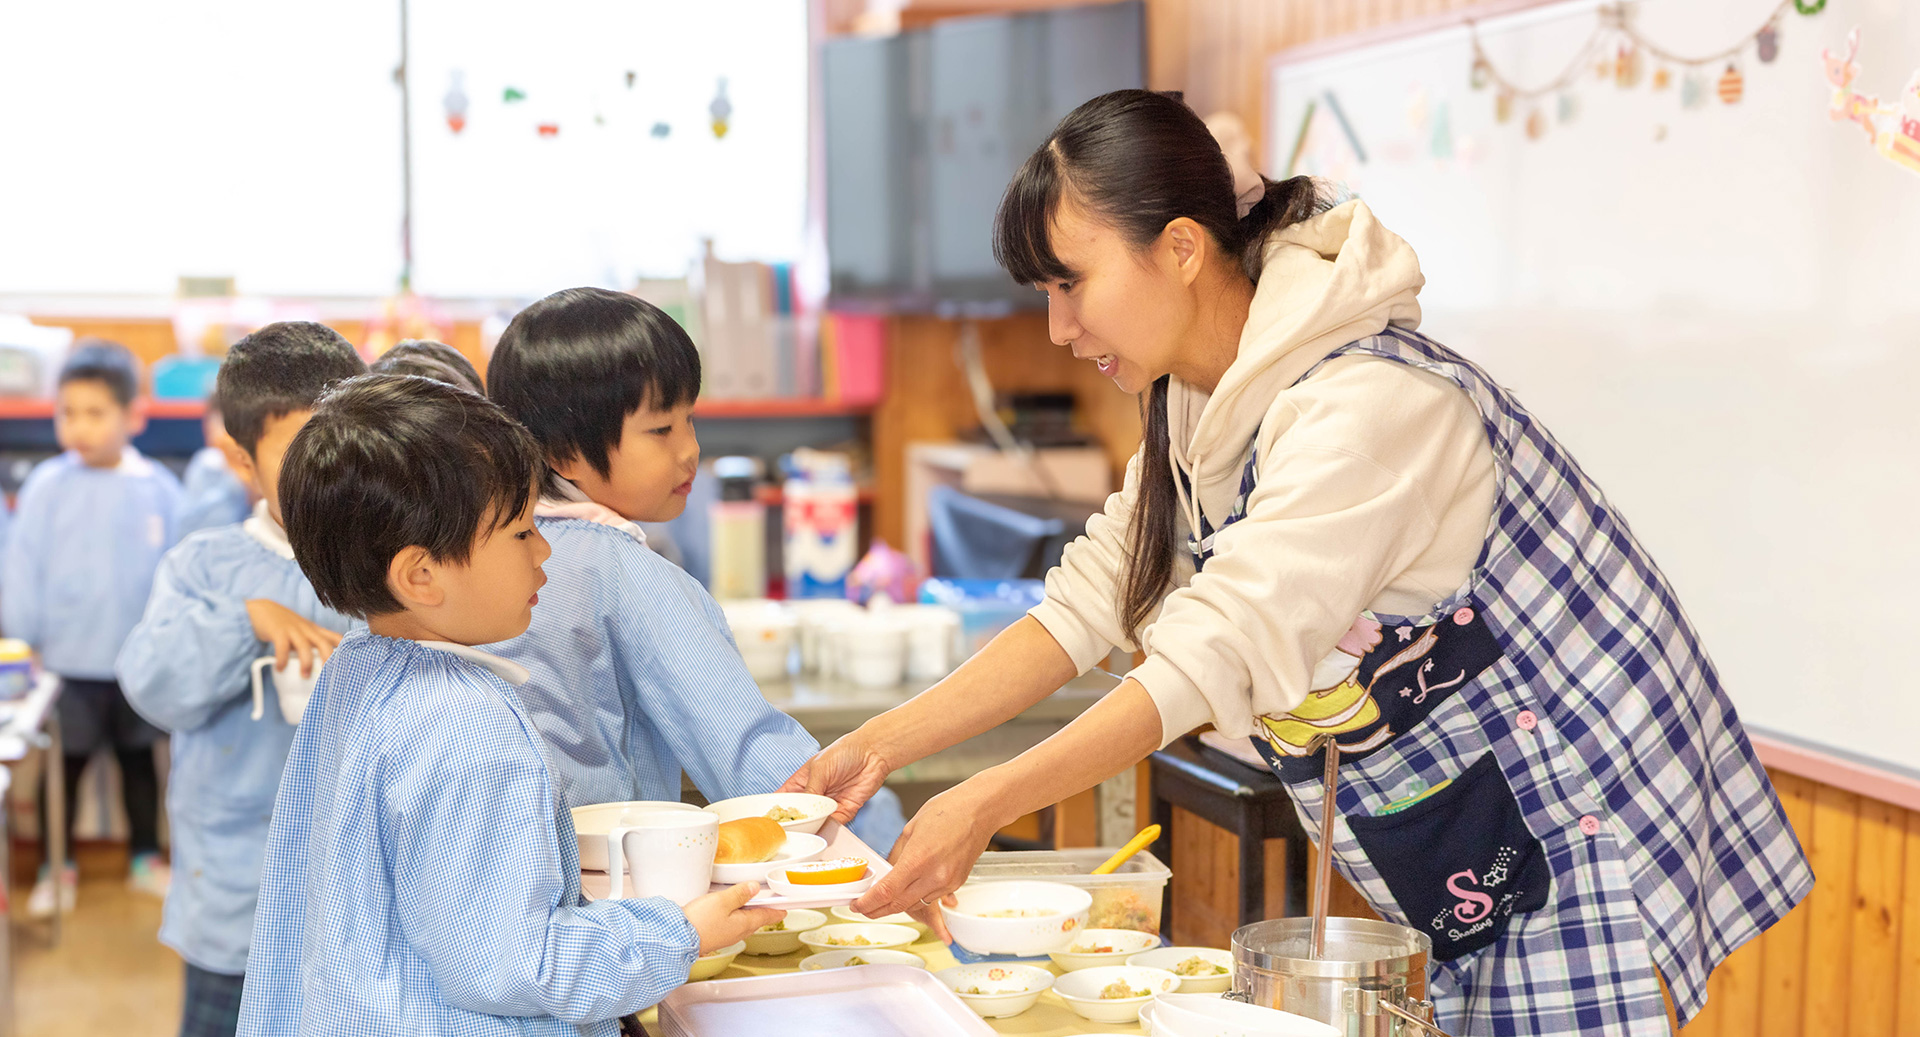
[(1118, 732), (1018, 668)]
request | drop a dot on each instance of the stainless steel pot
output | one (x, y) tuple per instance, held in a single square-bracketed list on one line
[(1372, 981)]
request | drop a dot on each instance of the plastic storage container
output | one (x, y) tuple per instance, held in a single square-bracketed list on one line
[(1127, 899)]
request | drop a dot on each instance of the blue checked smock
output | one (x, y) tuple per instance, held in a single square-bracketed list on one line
[(80, 558), (635, 677), (186, 668), (1557, 728), (422, 875)]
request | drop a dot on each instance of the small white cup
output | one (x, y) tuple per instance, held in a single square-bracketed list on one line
[(933, 641), (672, 851), (289, 687)]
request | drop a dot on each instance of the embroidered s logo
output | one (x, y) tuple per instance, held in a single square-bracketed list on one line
[(1473, 905)]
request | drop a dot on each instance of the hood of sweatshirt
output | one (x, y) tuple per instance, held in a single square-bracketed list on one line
[(1327, 281)]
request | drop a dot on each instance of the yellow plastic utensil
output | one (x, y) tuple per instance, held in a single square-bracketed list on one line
[(1135, 845)]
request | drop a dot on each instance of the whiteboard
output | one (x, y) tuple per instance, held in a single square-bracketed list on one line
[(1716, 309), (261, 139)]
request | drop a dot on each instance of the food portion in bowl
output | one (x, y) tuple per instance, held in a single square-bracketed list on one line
[(793, 811), (847, 936), (1021, 918), (1096, 947), (1197, 966), (862, 956), (783, 937), (778, 814), (1113, 993), (1202, 970)]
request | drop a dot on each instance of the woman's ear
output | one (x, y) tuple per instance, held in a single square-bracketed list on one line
[(413, 578), (1185, 245)]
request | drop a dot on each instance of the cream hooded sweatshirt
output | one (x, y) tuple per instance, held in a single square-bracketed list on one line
[(1375, 492)]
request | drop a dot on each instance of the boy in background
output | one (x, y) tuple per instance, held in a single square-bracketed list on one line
[(90, 528), (422, 875), (634, 672), (223, 598), (430, 359), (210, 494)]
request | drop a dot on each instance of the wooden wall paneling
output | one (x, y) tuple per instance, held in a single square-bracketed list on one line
[(1875, 944), (1784, 953), (1907, 964), (1836, 831)]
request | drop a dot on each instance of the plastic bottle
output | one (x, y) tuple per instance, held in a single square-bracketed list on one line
[(739, 525)]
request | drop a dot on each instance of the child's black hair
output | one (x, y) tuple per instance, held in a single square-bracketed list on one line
[(572, 366), (430, 359), (109, 363), (277, 370), (395, 461)]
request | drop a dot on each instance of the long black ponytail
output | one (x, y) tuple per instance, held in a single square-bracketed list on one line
[(1139, 160)]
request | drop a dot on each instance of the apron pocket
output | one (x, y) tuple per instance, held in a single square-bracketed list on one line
[(1460, 862)]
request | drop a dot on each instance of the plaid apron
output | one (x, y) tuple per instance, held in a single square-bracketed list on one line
[(1543, 773)]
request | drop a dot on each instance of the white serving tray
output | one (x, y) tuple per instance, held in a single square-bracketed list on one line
[(865, 1001), (840, 843)]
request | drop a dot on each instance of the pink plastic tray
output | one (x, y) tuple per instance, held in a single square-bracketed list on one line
[(866, 1001), (840, 843)]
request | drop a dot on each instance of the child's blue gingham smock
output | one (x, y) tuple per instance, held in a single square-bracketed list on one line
[(1665, 841), (422, 875)]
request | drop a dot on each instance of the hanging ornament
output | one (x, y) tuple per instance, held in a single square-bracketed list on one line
[(512, 94), (548, 129), (455, 101), (1768, 43), (1731, 84), (1536, 124), (1693, 90), (1626, 67), (1440, 142), (599, 120), (1569, 107), (1482, 72), (1660, 132), (659, 131), (1603, 69), (1809, 8), (1503, 106), (720, 110), (1662, 77), (630, 79)]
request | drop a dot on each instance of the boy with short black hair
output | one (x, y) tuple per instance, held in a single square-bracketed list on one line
[(430, 359), (222, 599), (634, 672), (89, 531), (422, 874)]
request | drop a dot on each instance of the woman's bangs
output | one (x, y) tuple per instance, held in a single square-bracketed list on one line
[(1022, 229)]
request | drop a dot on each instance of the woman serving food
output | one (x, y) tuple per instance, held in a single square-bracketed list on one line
[(1338, 529)]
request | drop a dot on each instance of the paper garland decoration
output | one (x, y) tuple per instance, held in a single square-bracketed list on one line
[(1626, 67), (1569, 108), (659, 131), (1767, 44), (1693, 90), (512, 94), (1440, 142), (1662, 78), (455, 101), (548, 129), (721, 110), (1731, 84), (1503, 107), (1536, 124)]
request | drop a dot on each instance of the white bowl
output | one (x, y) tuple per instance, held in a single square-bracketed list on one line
[(592, 822), (1062, 914), (1209, 1015), (785, 940), (1168, 957), (879, 937), (799, 846), (817, 809), (708, 966), (765, 632), (1005, 989), (848, 914), (1081, 991), (867, 955), (1126, 943)]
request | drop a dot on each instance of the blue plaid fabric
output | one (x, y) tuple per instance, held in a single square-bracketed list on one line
[(422, 875), (1667, 844)]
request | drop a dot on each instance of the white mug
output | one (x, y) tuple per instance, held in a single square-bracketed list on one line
[(672, 853), (292, 689)]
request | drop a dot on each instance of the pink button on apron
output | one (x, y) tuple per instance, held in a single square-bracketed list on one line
[(1527, 720), (1590, 825)]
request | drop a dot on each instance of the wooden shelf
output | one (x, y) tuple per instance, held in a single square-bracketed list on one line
[(797, 407), (773, 496), (32, 409)]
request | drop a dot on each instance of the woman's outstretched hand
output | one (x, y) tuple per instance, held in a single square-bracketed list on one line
[(932, 859), (848, 771)]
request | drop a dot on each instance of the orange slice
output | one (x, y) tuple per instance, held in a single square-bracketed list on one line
[(827, 873)]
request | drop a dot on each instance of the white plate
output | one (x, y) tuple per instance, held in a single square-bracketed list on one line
[(838, 959), (818, 808), (848, 914), (879, 937), (800, 846), (840, 892)]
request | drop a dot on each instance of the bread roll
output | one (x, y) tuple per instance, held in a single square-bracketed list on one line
[(749, 840)]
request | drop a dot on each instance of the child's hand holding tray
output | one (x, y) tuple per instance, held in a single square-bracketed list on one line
[(840, 843)]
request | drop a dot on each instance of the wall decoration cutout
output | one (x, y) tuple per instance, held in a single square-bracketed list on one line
[(1893, 129), (721, 110), (455, 101)]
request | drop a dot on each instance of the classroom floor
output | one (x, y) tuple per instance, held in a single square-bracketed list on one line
[(109, 973)]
